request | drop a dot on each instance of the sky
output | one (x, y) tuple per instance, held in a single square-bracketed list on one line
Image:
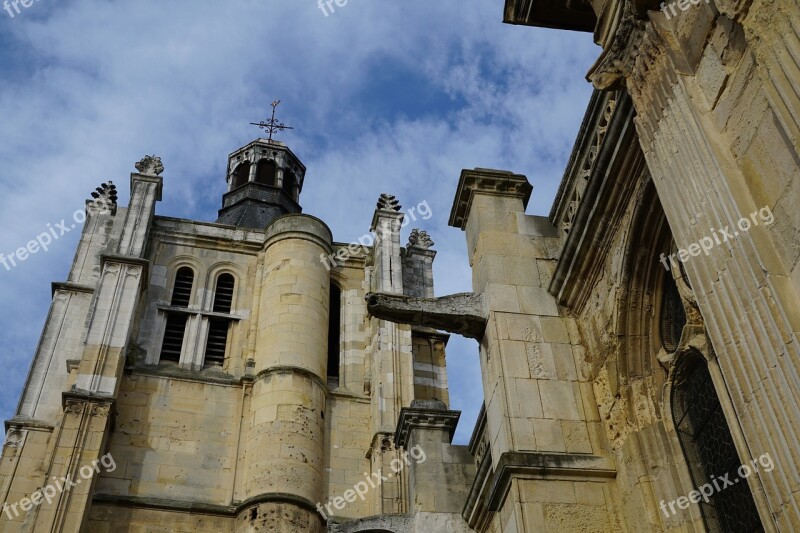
[(393, 97)]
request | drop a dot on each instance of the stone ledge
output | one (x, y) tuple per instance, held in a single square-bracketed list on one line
[(30, 424), (182, 506), (70, 287), (429, 415), (532, 465)]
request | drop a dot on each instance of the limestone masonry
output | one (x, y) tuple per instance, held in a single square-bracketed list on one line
[(242, 381)]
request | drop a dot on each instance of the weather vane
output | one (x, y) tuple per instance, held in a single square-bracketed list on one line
[(272, 125)]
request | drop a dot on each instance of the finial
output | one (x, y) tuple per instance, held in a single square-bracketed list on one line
[(387, 202), (104, 199), (150, 165), (272, 125), (420, 239)]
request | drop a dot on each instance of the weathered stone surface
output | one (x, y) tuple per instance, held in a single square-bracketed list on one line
[(464, 314)]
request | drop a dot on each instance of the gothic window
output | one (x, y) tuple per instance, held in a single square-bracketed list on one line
[(266, 172), (673, 315), (334, 331), (175, 329), (241, 175), (709, 450), (218, 327)]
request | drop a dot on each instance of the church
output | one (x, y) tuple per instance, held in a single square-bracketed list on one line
[(638, 345)]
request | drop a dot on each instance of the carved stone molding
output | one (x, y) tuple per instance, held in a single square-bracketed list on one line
[(15, 438), (619, 32)]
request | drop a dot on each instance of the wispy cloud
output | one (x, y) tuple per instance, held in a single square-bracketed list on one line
[(386, 97)]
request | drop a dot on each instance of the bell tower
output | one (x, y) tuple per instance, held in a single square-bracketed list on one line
[(264, 182)]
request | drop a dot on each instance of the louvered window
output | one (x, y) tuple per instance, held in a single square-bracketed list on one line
[(173, 337), (176, 321), (223, 296), (182, 292), (218, 327)]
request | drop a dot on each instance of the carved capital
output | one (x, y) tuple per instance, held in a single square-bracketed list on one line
[(619, 32)]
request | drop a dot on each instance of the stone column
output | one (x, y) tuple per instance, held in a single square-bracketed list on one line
[(718, 115), (285, 443)]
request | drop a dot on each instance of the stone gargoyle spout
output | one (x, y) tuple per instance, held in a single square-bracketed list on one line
[(464, 314)]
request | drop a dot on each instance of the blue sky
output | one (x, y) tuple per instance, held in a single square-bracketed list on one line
[(392, 97)]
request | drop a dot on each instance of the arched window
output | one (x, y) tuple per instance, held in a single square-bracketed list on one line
[(175, 329), (288, 183), (673, 315), (266, 172), (223, 295), (241, 175), (334, 331), (218, 327), (709, 450), (182, 292)]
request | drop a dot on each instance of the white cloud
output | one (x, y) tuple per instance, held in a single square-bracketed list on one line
[(104, 82)]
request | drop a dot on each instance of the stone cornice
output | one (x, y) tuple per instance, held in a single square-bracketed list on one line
[(68, 286), (486, 181), (490, 488), (598, 194), (29, 424), (414, 418)]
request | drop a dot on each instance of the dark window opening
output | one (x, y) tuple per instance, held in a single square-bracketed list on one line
[(217, 341), (223, 296), (334, 331), (173, 337), (709, 450), (241, 175), (673, 315), (218, 328), (266, 172), (288, 183), (182, 292)]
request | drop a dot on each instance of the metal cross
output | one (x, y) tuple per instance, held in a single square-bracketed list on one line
[(272, 125)]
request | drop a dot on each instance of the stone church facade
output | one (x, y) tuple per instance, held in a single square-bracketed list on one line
[(638, 345)]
